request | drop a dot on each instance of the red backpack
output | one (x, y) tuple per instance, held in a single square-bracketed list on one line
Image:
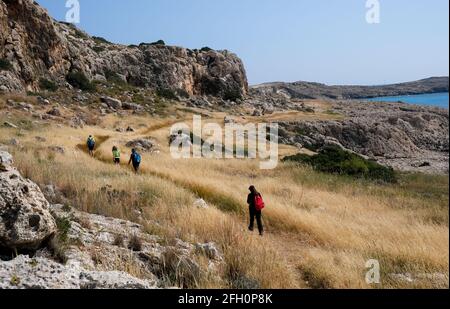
[(259, 203)]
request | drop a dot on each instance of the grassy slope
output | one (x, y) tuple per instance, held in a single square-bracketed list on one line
[(321, 229)]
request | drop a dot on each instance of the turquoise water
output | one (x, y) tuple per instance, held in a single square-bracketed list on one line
[(434, 99)]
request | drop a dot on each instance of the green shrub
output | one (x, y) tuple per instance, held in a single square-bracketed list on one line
[(166, 93), (5, 65), (63, 225), (232, 95), (206, 49), (98, 49), (335, 160), (99, 40), (159, 42), (182, 93), (80, 81), (113, 77), (46, 84), (79, 34)]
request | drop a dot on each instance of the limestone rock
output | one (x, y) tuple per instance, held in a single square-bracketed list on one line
[(142, 144), (54, 112), (6, 160), (111, 102), (9, 125), (60, 48), (398, 135), (200, 203), (210, 250), (40, 273), (132, 106), (25, 219)]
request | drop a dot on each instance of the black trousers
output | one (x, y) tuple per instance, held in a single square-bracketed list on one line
[(254, 214)]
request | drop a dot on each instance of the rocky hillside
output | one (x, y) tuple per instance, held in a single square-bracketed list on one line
[(306, 90), (34, 47)]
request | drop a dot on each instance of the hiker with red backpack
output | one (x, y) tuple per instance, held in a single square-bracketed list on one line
[(256, 205)]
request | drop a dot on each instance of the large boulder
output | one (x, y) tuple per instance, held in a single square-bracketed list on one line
[(42, 273), (111, 102), (142, 144), (25, 219), (6, 160), (132, 106)]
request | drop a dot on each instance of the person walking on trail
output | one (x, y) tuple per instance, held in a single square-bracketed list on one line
[(91, 145), (135, 158), (256, 205), (116, 155)]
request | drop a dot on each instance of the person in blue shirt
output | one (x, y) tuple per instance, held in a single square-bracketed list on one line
[(135, 158)]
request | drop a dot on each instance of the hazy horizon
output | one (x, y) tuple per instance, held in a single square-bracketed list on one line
[(287, 40)]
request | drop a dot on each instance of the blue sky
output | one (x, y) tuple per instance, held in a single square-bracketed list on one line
[(287, 40)]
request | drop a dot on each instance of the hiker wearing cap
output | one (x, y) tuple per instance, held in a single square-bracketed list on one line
[(116, 155), (135, 158), (91, 145), (256, 205)]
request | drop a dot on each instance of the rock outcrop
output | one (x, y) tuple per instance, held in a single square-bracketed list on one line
[(38, 47), (88, 251), (143, 144), (41, 273), (399, 135), (25, 219)]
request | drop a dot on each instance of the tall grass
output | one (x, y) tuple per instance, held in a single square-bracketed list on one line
[(321, 228)]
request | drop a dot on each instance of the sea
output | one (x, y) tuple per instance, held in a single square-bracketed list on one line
[(433, 99)]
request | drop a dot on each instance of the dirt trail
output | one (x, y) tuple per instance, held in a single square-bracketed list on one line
[(283, 244), (219, 199), (99, 140)]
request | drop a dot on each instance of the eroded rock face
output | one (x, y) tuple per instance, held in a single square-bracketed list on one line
[(399, 135), (60, 48), (25, 220), (40, 273)]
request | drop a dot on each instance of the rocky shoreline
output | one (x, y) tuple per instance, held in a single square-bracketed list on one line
[(406, 137)]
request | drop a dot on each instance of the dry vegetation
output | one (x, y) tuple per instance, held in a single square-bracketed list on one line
[(321, 229)]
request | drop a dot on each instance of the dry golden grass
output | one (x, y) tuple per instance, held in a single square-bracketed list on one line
[(321, 229)]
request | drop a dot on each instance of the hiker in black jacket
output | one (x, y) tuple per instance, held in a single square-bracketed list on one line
[(254, 212)]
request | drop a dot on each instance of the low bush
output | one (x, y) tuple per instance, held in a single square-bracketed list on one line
[(80, 81), (338, 161), (49, 85), (166, 94), (159, 42), (206, 49), (5, 65), (232, 95), (113, 77), (99, 40), (135, 243), (79, 34), (98, 48)]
